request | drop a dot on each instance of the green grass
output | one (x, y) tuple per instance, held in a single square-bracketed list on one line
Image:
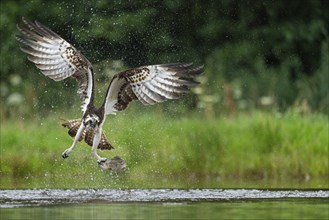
[(273, 150)]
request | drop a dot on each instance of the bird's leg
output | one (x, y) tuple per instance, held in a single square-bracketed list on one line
[(66, 153), (97, 138)]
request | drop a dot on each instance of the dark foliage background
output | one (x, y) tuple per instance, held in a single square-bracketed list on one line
[(257, 54)]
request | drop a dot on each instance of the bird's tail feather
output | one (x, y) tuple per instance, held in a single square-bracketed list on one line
[(88, 135)]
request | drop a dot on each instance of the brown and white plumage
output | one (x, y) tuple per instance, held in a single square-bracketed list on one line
[(58, 60), (87, 135), (150, 85)]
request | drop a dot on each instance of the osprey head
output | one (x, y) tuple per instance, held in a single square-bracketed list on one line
[(91, 121)]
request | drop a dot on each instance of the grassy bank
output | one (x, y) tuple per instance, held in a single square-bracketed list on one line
[(164, 152)]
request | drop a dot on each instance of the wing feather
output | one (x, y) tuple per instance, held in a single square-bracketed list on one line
[(56, 58), (150, 85), (157, 88)]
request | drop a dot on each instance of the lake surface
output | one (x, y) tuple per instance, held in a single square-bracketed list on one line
[(164, 204)]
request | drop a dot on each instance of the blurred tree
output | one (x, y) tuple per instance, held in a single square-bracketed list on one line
[(260, 48)]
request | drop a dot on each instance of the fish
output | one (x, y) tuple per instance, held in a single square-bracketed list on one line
[(116, 164)]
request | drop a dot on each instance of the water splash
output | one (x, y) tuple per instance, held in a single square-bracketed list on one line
[(39, 197)]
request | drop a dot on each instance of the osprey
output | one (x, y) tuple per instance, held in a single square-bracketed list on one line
[(58, 59)]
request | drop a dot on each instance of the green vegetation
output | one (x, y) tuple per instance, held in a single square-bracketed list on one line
[(166, 152), (260, 112), (260, 50)]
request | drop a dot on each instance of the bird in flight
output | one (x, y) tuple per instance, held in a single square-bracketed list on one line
[(58, 60)]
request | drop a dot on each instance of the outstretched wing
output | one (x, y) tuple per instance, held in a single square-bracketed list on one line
[(150, 85), (56, 58)]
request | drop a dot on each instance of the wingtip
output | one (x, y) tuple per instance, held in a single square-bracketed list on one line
[(18, 27), (188, 64), (38, 23), (18, 37), (185, 65), (25, 20), (198, 70)]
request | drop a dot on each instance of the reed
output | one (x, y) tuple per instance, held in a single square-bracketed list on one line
[(256, 146)]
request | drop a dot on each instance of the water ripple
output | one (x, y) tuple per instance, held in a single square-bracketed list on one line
[(41, 197)]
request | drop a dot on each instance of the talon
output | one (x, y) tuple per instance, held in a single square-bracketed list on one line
[(65, 154), (101, 160)]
